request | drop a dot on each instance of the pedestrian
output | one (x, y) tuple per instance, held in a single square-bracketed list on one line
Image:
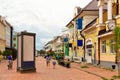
[(48, 60), (10, 62), (54, 63), (57, 57)]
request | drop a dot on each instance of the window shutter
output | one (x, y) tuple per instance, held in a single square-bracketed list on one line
[(79, 23)]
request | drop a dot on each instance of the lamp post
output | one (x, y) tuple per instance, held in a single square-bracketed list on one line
[(75, 38)]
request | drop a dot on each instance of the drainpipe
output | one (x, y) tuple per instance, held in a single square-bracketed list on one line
[(98, 51), (117, 9), (84, 42), (11, 37)]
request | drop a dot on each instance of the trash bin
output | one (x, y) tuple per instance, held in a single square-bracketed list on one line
[(113, 66), (82, 59)]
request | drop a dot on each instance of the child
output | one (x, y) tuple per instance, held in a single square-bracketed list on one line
[(48, 60), (54, 63)]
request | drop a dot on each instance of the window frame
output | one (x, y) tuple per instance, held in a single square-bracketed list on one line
[(112, 44), (103, 45)]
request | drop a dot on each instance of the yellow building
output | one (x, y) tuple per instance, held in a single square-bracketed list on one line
[(107, 22), (2, 35), (89, 33), (99, 19), (99, 36), (87, 14)]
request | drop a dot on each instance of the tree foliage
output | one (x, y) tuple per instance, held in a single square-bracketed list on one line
[(117, 46), (0, 52), (7, 52), (117, 42), (117, 37), (42, 52)]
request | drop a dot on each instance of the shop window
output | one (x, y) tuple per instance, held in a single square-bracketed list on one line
[(112, 47), (103, 46)]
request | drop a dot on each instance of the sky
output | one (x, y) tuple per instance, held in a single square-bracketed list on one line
[(46, 18)]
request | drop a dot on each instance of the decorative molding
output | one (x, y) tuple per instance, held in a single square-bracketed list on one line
[(106, 34), (118, 16), (106, 22), (100, 25), (111, 24)]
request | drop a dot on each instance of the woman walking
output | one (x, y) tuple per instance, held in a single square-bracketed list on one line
[(48, 60)]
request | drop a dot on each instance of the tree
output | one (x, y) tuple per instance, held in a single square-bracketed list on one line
[(117, 46), (0, 52), (6, 53), (42, 52)]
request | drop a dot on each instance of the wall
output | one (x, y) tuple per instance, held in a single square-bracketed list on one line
[(8, 36), (2, 37), (107, 56), (91, 34)]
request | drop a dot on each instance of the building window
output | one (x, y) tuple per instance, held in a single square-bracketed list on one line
[(112, 42), (14, 45), (14, 39), (103, 46)]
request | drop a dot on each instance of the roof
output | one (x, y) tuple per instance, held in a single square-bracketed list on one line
[(5, 22), (91, 23), (48, 42), (56, 37), (92, 6)]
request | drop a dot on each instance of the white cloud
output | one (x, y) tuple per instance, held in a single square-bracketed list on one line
[(44, 17)]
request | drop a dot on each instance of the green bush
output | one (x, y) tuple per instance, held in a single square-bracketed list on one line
[(59, 55), (116, 77), (7, 52), (84, 67), (52, 53), (103, 78), (0, 52)]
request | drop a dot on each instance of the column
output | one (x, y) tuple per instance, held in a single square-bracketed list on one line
[(100, 5), (119, 6), (101, 14), (109, 9)]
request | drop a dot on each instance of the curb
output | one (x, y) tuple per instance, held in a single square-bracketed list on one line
[(87, 72)]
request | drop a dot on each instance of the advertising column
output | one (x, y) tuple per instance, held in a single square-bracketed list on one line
[(26, 52)]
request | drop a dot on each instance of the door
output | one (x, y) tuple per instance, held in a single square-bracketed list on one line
[(89, 55)]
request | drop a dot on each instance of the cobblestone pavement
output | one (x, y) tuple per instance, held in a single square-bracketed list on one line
[(44, 73)]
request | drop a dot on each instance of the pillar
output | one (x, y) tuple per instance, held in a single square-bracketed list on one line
[(109, 9), (100, 5)]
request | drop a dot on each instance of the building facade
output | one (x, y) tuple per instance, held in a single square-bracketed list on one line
[(99, 34), (15, 40), (2, 35), (78, 23), (107, 22)]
